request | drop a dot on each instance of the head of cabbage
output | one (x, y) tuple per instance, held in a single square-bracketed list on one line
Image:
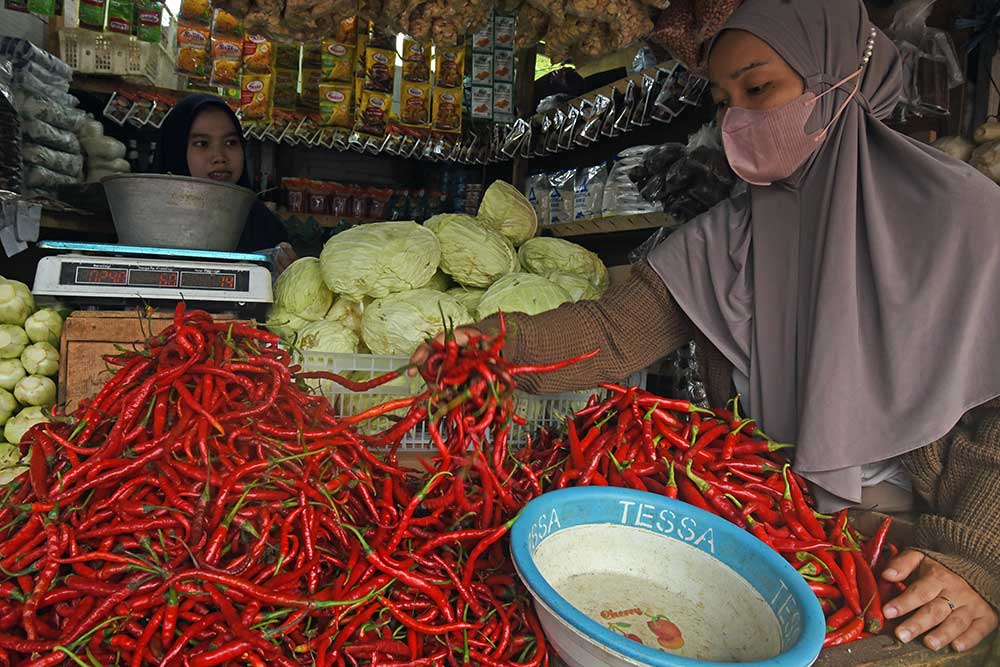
[(327, 336), (379, 259), (578, 287), (285, 324), (19, 424), (471, 253), (44, 326), (348, 313), (399, 323), (16, 302), (440, 282), (522, 293), (468, 297), (300, 290), (509, 212), (546, 256)]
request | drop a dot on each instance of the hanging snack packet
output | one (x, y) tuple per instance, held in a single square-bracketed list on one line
[(258, 54), (118, 107), (161, 108), (255, 96), (450, 66), (196, 11), (91, 14), (346, 31), (415, 105), (224, 23), (360, 52), (372, 115), (286, 83), (287, 55), (380, 66), (42, 7), (227, 53), (192, 50), (335, 101), (447, 110), (149, 17), (311, 78), (338, 61), (416, 61), (121, 16), (312, 55)]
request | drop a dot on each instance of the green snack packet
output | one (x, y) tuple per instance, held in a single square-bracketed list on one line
[(42, 7), (150, 15), (121, 16), (92, 14)]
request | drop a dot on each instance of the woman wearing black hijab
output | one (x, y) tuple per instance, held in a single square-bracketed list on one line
[(202, 137)]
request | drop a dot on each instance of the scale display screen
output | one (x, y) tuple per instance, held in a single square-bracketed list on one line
[(73, 273)]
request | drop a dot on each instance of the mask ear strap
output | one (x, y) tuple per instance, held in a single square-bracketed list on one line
[(843, 107)]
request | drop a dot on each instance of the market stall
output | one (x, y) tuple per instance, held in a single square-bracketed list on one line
[(208, 459)]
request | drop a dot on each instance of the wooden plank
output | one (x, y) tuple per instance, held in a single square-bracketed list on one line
[(105, 85), (885, 651), (72, 222), (610, 225)]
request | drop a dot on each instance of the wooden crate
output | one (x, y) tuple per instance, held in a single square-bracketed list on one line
[(88, 336)]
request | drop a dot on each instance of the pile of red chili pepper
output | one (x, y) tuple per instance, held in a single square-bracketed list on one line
[(206, 509), (724, 464)]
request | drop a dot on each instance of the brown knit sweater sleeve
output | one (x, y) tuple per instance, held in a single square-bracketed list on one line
[(632, 325), (959, 477)]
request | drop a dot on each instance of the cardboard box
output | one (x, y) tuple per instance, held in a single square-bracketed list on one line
[(89, 336)]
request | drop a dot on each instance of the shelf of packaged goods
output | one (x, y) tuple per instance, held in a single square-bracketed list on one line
[(611, 225), (105, 85), (323, 220)]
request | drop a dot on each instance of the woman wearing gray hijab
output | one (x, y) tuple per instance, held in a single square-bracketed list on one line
[(852, 297)]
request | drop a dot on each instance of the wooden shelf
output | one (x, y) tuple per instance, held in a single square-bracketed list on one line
[(105, 85), (611, 225)]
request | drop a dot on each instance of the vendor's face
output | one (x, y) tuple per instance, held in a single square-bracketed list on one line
[(746, 72), (214, 149)]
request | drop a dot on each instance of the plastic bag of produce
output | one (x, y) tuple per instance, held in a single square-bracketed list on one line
[(473, 254), (561, 196), (102, 148), (378, 259), (40, 177), (42, 133), (537, 194), (507, 211), (90, 128), (399, 323), (522, 293), (119, 166), (546, 256), (65, 118), (69, 164)]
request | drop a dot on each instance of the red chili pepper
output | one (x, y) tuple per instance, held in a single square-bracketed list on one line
[(716, 498), (846, 634), (877, 543)]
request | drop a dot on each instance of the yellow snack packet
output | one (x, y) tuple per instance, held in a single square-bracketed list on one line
[(335, 104)]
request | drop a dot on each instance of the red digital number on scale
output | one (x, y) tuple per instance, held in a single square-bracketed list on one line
[(228, 281), (105, 276), (168, 279)]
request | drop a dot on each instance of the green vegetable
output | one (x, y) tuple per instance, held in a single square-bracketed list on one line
[(546, 256), (579, 288), (285, 324), (16, 302), (348, 313), (379, 259), (8, 406), (440, 282), (507, 211), (35, 390), (17, 425), (327, 336), (40, 359), (301, 291), (472, 253), (11, 463), (522, 293), (11, 372), (468, 297), (44, 325), (13, 340), (398, 323)]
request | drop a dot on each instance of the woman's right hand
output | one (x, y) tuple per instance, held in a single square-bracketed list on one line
[(462, 336)]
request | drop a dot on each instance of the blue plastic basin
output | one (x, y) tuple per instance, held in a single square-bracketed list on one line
[(624, 578)]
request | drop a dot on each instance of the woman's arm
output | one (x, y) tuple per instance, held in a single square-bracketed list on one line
[(632, 325), (959, 477)]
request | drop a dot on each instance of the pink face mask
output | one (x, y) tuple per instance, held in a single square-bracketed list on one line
[(764, 147)]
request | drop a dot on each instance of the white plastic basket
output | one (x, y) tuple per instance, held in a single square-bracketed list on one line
[(538, 411), (91, 52)]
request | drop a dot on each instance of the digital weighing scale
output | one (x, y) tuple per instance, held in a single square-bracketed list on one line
[(95, 275)]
